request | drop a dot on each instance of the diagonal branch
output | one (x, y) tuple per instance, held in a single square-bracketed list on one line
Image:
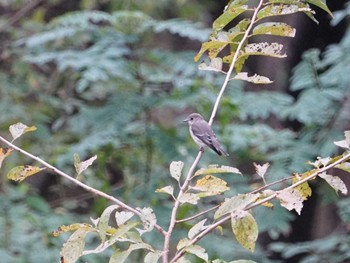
[(77, 182), (255, 204)]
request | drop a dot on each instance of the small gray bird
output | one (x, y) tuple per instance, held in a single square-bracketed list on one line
[(202, 133)]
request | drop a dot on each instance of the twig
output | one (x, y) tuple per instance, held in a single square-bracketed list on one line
[(197, 215), (271, 184), (269, 198), (172, 222), (75, 181)]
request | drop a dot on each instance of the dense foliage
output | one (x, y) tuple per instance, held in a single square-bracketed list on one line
[(117, 83)]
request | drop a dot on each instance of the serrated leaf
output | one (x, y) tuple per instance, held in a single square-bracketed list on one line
[(256, 79), (4, 152), (274, 28), (238, 202), (167, 190), (148, 219), (189, 198), (215, 169), (210, 185), (82, 166), (176, 169), (153, 257), (20, 173), (73, 249), (198, 251), (291, 199), (18, 129), (335, 182), (197, 228), (245, 229), (104, 220), (261, 170), (122, 217)]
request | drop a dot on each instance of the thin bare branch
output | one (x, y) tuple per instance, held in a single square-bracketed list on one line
[(77, 182)]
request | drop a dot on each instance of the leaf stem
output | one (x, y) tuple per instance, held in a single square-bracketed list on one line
[(255, 204)]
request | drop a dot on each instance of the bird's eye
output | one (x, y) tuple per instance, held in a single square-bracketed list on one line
[(191, 119)]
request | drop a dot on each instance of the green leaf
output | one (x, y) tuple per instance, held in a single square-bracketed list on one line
[(176, 169), (274, 28), (210, 185), (196, 229), (4, 152), (72, 250), (256, 79), (245, 229), (215, 169), (335, 182), (231, 12), (20, 173), (183, 243), (238, 202), (104, 220), (344, 166), (321, 4), (19, 129)]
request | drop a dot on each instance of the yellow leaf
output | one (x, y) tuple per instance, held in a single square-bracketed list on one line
[(4, 152), (245, 229), (211, 185), (304, 189), (20, 173)]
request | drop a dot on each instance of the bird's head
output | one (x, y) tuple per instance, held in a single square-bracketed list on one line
[(193, 117)]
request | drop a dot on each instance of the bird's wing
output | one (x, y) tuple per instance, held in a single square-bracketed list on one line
[(203, 131)]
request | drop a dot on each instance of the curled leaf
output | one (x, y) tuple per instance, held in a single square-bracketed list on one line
[(18, 129), (167, 190), (82, 166)]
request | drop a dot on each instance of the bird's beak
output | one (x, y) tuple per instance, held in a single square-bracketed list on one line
[(185, 120)]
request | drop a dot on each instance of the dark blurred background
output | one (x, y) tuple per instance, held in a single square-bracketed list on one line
[(116, 79)]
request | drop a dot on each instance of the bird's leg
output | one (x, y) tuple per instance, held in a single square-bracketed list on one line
[(201, 149)]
